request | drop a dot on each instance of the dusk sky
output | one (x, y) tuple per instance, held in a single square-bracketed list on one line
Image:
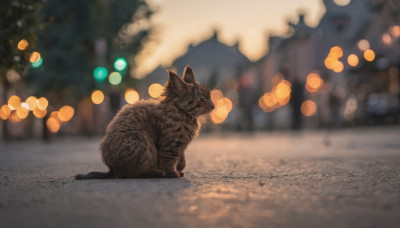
[(181, 22)]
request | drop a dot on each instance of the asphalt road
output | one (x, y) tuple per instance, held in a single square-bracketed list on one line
[(345, 178)]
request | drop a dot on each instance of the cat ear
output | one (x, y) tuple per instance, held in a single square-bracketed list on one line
[(175, 81), (188, 75)]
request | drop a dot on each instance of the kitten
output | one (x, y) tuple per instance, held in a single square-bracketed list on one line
[(149, 138)]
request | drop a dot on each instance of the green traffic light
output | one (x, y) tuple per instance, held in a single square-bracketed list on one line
[(38, 63), (100, 74), (120, 64)]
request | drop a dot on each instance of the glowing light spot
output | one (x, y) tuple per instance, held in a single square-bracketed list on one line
[(155, 90), (337, 66), (269, 99), (14, 102), (314, 82), (282, 90), (100, 74), (120, 64), (264, 107), (329, 62), (342, 2), (225, 102), (97, 97), (38, 63), (216, 94), (35, 56), (22, 112), (5, 112), (369, 55), (22, 44), (32, 102), (308, 108), (115, 78), (53, 125), (395, 30), (336, 51), (42, 103), (39, 113), (66, 113), (131, 96), (386, 39), (363, 45), (352, 60)]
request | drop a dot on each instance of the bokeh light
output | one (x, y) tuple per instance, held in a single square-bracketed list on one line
[(395, 30), (131, 96), (100, 74), (215, 95), (120, 64), (38, 63), (314, 82), (115, 78), (352, 60), (42, 103), (308, 108), (23, 44), (22, 112), (386, 39), (282, 90), (363, 45), (5, 112), (369, 55), (155, 90), (53, 125), (337, 66), (32, 102), (336, 51), (35, 56), (66, 113), (342, 2), (39, 113), (14, 102), (97, 97)]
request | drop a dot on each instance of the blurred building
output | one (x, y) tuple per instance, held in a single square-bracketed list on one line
[(345, 96)]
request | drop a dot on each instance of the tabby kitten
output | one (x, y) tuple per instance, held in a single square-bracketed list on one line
[(149, 138)]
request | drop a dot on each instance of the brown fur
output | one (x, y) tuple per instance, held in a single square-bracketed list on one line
[(149, 138)]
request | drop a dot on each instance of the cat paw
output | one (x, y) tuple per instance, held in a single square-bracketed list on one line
[(181, 174), (172, 175)]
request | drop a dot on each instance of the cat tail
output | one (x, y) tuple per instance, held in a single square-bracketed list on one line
[(95, 175)]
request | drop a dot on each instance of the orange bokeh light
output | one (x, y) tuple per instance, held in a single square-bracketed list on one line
[(14, 102), (42, 103), (39, 113), (369, 55), (66, 113), (32, 102), (308, 108), (155, 90), (97, 97), (35, 56), (131, 96), (352, 60), (53, 125), (22, 44)]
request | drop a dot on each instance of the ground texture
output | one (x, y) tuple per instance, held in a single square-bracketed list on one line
[(346, 178)]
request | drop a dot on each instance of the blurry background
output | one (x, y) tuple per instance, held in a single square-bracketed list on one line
[(66, 67)]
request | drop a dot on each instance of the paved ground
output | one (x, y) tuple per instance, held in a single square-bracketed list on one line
[(346, 178)]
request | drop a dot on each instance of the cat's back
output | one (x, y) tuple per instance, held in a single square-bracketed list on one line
[(135, 117)]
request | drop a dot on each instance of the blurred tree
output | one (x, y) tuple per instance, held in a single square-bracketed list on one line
[(18, 20), (82, 36)]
